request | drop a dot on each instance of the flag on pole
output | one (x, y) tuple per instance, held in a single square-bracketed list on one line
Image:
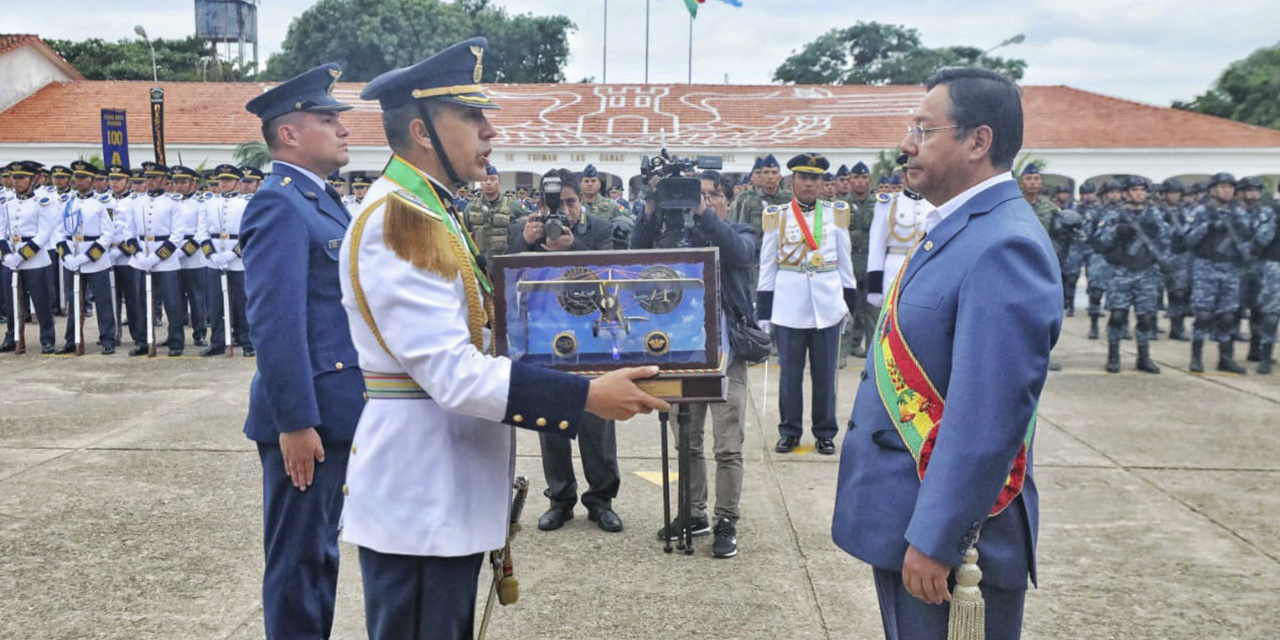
[(692, 6), (736, 3)]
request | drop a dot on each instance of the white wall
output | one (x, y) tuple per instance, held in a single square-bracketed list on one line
[(24, 71)]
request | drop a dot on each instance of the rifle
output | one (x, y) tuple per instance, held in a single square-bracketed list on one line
[(151, 320), (1143, 239), (1241, 246), (226, 314), (78, 309), (19, 306)]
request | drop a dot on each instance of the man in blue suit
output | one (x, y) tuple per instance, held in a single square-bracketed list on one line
[(939, 445), (307, 395)]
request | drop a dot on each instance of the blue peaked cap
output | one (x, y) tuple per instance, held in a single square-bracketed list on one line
[(860, 169), (452, 75), (309, 91)]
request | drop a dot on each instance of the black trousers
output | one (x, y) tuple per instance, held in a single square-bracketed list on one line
[(166, 290), (194, 299), (128, 287), (239, 321), (36, 287), (55, 282), (821, 346), (419, 597), (96, 288), (598, 445)]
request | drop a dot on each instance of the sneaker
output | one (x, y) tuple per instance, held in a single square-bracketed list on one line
[(726, 544), (701, 527)]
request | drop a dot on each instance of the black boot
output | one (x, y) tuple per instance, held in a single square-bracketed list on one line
[(1197, 351), (1113, 356), (1144, 360), (1093, 326), (1266, 351), (1226, 357), (1255, 347), (1176, 329)]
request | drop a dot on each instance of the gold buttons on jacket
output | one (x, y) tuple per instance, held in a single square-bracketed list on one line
[(344, 489), (542, 422), (928, 246), (353, 449), (517, 418), (564, 424), (365, 395), (338, 366)]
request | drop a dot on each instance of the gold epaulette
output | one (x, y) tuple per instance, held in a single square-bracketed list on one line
[(841, 209), (419, 236), (772, 218)]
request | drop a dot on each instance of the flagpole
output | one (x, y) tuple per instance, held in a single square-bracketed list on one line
[(691, 48), (646, 41), (605, 64)]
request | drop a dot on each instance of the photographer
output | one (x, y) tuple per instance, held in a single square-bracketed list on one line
[(561, 225), (708, 226)]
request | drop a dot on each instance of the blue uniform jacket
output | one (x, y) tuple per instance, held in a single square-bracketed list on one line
[(308, 373), (980, 307)]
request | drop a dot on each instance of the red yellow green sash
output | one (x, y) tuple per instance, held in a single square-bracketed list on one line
[(814, 241), (914, 404)]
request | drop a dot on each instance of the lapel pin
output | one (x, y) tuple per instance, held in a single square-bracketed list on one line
[(928, 245)]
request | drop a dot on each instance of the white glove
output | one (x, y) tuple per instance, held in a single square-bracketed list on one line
[(764, 325), (12, 260), (223, 259), (71, 262), (149, 262), (875, 298), (113, 255)]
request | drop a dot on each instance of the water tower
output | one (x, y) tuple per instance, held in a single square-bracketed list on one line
[(229, 21)]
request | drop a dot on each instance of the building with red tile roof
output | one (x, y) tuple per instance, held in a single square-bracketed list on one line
[(1077, 134), (26, 65)]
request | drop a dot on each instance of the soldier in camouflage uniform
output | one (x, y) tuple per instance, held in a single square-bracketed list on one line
[(750, 207), (1177, 272), (1097, 269), (596, 205), (1267, 241), (1132, 239), (489, 216), (1062, 197), (1218, 239), (1032, 182), (1067, 231), (1249, 194), (862, 204)]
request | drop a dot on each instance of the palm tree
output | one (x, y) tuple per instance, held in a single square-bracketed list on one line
[(252, 154)]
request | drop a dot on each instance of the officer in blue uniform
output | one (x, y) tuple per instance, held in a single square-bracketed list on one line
[(306, 396)]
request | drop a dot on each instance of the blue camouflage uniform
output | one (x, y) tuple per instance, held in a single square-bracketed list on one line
[(1218, 238), (1177, 271), (1267, 241)]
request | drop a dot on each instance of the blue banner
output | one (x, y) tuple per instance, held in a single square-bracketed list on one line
[(115, 138)]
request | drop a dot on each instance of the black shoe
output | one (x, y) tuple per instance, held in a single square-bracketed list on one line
[(1071, 312), (7, 346), (175, 353), (555, 518), (108, 350), (1113, 356), (213, 351), (1226, 359), (1197, 353), (139, 350), (200, 342), (606, 519), (699, 525), (1144, 360), (1054, 365), (825, 446), (158, 322), (48, 349), (1255, 348), (249, 352), (88, 311), (1093, 327), (1264, 367), (786, 444), (726, 544), (66, 349)]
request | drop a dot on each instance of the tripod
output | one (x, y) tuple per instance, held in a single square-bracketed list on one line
[(684, 496)]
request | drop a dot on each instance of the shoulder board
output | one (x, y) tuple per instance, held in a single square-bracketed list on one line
[(175, 197), (773, 208), (883, 198), (839, 205), (105, 198), (63, 198), (841, 211), (247, 196), (44, 201)]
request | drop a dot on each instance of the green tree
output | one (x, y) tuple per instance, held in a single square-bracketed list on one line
[(253, 154), (878, 54), (368, 37), (1245, 92), (187, 59)]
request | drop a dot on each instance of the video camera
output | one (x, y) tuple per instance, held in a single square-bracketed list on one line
[(676, 195)]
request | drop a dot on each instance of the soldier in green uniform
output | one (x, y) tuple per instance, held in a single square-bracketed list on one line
[(862, 205), (489, 216), (751, 205), (1032, 182), (595, 204)]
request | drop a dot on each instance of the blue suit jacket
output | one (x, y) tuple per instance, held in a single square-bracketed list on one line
[(980, 308), (308, 372)]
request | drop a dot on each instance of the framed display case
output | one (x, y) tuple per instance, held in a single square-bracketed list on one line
[(590, 312)]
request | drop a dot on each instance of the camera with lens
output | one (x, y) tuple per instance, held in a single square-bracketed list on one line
[(554, 221), (676, 194)]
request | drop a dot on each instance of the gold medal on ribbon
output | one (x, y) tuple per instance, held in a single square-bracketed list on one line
[(816, 260)]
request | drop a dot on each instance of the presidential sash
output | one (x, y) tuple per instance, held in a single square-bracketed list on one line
[(914, 404)]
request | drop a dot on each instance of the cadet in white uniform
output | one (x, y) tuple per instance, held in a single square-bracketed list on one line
[(27, 220), (896, 226), (222, 215), (191, 277), (429, 476), (83, 239), (806, 268), (152, 241)]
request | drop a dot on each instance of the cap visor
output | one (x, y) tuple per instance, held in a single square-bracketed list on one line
[(475, 100)]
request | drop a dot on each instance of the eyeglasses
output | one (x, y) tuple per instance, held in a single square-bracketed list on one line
[(918, 132)]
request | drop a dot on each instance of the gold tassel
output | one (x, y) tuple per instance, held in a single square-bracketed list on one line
[(419, 237), (968, 610)]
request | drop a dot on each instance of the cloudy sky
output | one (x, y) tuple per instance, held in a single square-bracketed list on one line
[(1152, 51)]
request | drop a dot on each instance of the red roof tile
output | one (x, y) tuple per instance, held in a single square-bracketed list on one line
[(641, 116), (14, 41), (11, 41)]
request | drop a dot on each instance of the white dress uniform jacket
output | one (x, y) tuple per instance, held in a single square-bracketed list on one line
[(31, 219), (155, 222), (221, 223), (896, 225), (87, 223), (191, 220), (121, 209), (808, 292)]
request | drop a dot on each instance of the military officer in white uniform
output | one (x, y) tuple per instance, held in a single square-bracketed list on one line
[(806, 269), (896, 225), (191, 277), (153, 240), (429, 477), (126, 277), (221, 223), (83, 240), (27, 220)]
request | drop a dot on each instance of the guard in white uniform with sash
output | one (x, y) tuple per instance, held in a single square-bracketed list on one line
[(896, 226), (806, 268), (430, 473)]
